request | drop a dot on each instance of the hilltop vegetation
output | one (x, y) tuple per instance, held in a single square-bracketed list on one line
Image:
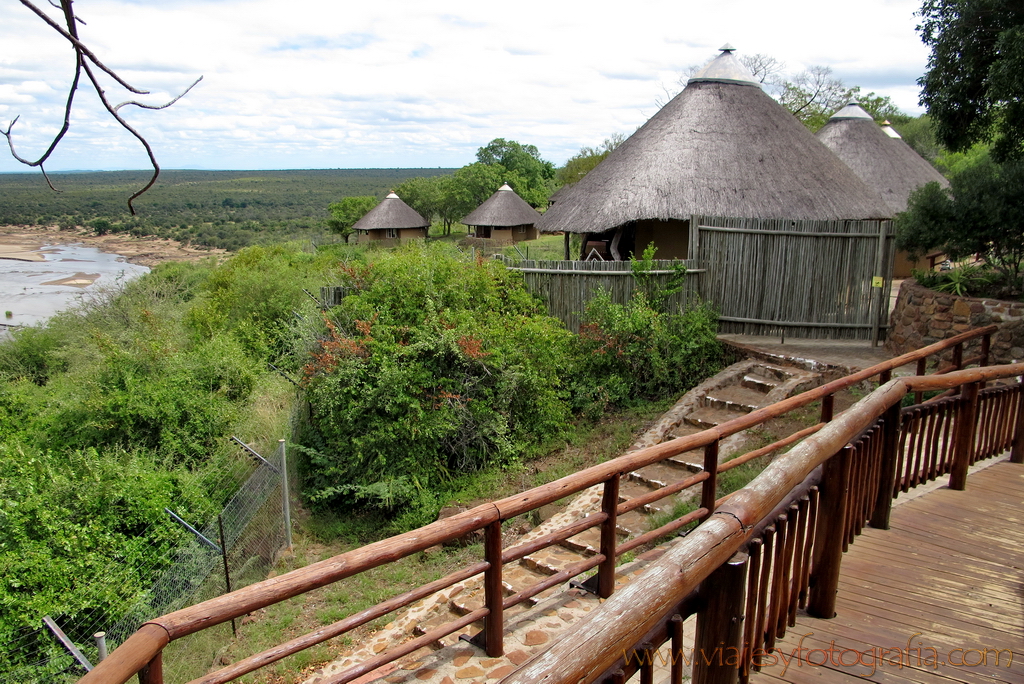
[(225, 209)]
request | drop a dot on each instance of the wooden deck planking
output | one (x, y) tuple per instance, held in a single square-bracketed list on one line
[(950, 567)]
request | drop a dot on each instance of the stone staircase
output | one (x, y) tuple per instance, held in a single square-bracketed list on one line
[(735, 391)]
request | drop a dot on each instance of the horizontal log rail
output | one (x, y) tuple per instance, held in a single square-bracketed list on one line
[(593, 646), (140, 653)]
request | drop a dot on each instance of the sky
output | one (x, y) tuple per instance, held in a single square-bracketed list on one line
[(408, 83)]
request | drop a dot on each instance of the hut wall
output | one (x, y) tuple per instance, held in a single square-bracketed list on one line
[(567, 286), (672, 238), (798, 278)]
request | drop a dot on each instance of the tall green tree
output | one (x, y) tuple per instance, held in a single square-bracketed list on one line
[(345, 213), (535, 175), (974, 86), (580, 164), (981, 213)]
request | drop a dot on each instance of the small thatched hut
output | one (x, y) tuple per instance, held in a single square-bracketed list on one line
[(504, 216), (721, 148), (392, 219), (881, 159)]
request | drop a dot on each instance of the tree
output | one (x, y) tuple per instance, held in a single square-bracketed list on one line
[(422, 194), (812, 95), (981, 213), (974, 86), (347, 212), (535, 174), (919, 133), (580, 164), (87, 62)]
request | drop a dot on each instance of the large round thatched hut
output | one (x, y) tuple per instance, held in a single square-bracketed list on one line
[(392, 219), (881, 159), (723, 148), (504, 216), (784, 236)]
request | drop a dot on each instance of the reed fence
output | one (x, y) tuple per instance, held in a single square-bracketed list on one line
[(728, 523), (827, 279), (567, 286)]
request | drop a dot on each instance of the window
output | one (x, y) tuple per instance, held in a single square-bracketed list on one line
[(391, 233), (521, 229)]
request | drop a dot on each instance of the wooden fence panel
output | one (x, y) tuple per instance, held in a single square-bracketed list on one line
[(567, 286), (797, 278)]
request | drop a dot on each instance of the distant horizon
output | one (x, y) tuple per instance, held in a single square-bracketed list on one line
[(163, 170)]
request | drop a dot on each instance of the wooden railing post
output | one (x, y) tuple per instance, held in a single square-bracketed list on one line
[(1017, 450), (963, 444), (717, 645), (709, 487), (828, 403), (884, 377), (829, 533), (922, 367), (887, 468), (153, 671), (609, 537), (494, 594)]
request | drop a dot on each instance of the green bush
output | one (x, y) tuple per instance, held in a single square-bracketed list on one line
[(632, 351), (438, 366)]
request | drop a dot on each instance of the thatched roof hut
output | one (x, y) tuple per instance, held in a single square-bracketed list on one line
[(722, 147), (885, 163), (391, 213), (503, 209)]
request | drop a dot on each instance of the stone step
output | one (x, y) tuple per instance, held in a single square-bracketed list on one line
[(708, 417), (632, 524), (518, 577), (658, 475), (441, 618), (551, 560), (587, 542), (631, 489), (735, 398)]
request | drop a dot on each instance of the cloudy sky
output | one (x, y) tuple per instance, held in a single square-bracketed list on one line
[(410, 83)]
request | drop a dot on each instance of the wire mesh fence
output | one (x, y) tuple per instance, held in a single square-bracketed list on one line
[(231, 550)]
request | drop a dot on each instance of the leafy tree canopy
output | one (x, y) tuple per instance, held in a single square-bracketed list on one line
[(974, 86), (580, 164), (347, 212), (535, 174), (981, 213)]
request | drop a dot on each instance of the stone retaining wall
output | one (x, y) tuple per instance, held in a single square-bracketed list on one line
[(924, 316)]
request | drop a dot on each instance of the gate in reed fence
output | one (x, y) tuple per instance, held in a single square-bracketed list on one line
[(827, 279), (801, 516)]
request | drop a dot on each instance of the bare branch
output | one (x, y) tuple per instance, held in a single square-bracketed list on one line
[(79, 45), (163, 106), (83, 58)]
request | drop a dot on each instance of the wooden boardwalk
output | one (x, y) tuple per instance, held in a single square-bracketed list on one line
[(947, 579)]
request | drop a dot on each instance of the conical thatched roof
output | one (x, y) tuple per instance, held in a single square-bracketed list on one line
[(887, 164), (503, 208), (392, 212), (722, 147)]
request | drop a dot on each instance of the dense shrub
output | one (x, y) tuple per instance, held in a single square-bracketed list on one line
[(633, 351), (436, 367)]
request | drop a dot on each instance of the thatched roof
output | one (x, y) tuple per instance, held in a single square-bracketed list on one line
[(722, 147), (392, 212), (503, 208), (886, 163)]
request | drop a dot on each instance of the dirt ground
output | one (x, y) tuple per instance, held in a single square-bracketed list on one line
[(17, 242)]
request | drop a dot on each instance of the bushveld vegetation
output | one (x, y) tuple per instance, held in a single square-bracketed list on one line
[(225, 209), (435, 368)]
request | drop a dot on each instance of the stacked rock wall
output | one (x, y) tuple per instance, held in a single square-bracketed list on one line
[(924, 316)]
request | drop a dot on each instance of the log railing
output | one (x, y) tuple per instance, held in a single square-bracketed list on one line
[(141, 653), (776, 545)]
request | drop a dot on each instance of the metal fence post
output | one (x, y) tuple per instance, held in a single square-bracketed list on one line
[(285, 498)]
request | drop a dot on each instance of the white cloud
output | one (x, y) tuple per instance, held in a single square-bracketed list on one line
[(408, 83)]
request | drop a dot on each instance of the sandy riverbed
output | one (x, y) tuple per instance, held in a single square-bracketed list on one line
[(19, 242)]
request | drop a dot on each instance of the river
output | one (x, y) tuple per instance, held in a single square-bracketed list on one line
[(38, 281)]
